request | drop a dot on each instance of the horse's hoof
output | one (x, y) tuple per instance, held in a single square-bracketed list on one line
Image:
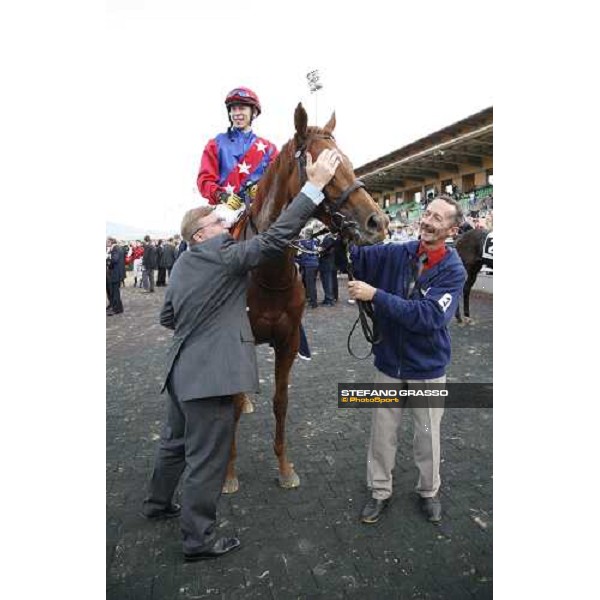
[(469, 321), (247, 406), (231, 486), (289, 482)]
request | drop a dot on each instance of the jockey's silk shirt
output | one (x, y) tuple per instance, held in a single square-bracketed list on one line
[(233, 162)]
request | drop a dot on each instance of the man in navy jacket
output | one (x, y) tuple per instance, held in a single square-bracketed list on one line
[(414, 288)]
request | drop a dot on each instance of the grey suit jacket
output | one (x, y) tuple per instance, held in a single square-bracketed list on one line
[(213, 350), (168, 256)]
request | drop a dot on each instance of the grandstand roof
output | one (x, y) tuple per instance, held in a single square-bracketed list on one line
[(467, 141)]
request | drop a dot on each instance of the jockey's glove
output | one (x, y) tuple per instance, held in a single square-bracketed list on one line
[(233, 201), (252, 192), (228, 216)]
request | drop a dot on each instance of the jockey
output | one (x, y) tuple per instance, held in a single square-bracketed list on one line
[(231, 166), (234, 161)]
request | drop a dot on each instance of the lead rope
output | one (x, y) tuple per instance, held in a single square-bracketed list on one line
[(366, 312)]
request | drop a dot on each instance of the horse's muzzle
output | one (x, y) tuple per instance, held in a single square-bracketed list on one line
[(375, 229)]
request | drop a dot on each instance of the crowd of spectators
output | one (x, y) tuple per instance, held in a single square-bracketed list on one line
[(319, 257), (144, 259), (478, 211)]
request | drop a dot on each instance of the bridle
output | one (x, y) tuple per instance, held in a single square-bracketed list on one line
[(340, 223)]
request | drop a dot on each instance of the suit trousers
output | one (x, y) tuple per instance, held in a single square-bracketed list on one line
[(383, 443), (336, 292), (327, 273), (309, 278), (198, 433), (148, 279), (115, 297)]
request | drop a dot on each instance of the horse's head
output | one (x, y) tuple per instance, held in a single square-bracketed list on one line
[(348, 208)]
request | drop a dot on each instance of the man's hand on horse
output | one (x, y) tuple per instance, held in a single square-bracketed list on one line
[(323, 169), (359, 290)]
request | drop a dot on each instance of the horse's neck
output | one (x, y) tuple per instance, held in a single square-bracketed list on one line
[(272, 201), (278, 273)]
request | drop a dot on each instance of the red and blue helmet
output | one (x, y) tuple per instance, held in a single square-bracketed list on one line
[(243, 95)]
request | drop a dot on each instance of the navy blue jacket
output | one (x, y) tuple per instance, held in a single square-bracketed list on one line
[(116, 265), (327, 252), (305, 259), (415, 340)]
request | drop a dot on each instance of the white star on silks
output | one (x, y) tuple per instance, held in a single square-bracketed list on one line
[(229, 189), (261, 147), (244, 168)]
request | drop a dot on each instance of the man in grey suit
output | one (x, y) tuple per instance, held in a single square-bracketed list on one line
[(205, 303)]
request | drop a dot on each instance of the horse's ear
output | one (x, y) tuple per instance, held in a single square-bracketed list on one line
[(301, 122), (331, 123)]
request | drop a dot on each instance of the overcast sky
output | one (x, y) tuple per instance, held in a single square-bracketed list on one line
[(392, 75)]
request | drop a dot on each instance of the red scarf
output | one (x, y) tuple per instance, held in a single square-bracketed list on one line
[(433, 256)]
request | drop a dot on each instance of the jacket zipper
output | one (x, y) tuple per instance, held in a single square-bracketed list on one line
[(405, 294)]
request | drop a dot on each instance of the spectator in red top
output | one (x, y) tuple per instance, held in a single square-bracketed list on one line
[(137, 255)]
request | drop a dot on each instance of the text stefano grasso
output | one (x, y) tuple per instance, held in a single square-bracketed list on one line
[(393, 393)]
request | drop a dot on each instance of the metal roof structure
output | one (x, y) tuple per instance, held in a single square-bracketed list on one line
[(465, 143)]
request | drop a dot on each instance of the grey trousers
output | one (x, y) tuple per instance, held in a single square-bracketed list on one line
[(197, 434), (148, 279), (383, 442)]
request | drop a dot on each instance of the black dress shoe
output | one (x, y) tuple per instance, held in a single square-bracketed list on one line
[(373, 509), (432, 508), (219, 548), (168, 513)]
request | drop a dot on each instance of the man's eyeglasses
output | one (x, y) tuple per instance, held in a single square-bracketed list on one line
[(215, 222)]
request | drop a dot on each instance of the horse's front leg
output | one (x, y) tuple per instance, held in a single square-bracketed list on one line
[(284, 359), (232, 484)]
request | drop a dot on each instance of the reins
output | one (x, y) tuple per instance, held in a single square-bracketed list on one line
[(340, 224), (366, 313)]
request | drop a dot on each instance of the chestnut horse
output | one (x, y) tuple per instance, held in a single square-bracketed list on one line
[(275, 291)]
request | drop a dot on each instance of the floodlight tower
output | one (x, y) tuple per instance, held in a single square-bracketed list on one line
[(314, 85)]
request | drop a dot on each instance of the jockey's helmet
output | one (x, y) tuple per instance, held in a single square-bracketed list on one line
[(243, 95)]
